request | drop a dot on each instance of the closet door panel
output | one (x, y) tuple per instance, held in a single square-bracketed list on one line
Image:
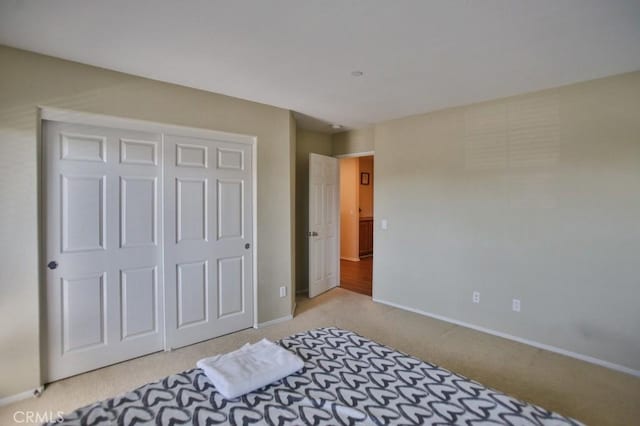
[(208, 258), (104, 302)]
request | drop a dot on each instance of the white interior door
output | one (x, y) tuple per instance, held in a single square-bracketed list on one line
[(209, 233), (324, 227), (104, 240)]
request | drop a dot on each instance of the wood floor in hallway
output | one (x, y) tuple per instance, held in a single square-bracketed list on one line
[(357, 276)]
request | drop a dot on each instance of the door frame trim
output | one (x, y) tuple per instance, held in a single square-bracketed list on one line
[(356, 154), (92, 119)]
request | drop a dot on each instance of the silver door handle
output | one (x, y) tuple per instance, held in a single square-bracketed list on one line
[(312, 233)]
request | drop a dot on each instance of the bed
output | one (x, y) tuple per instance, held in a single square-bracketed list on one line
[(347, 380)]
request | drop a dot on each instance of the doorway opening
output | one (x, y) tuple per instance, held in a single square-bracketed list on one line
[(356, 223)]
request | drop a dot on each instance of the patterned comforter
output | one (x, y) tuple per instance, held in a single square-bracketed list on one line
[(347, 380)]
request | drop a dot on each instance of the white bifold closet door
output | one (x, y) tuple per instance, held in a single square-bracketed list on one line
[(147, 243), (104, 250), (208, 235)]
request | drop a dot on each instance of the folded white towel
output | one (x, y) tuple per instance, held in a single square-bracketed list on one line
[(249, 368)]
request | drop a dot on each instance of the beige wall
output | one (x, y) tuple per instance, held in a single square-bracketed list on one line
[(535, 197), (353, 141), (366, 191), (349, 202), (28, 80), (306, 142)]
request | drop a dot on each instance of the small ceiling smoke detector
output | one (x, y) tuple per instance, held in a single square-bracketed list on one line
[(357, 73), (336, 126)]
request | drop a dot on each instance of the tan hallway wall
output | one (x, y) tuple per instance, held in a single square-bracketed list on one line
[(349, 202), (366, 191), (28, 80)]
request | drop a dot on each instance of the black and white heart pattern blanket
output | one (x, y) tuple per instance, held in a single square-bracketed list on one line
[(347, 380)]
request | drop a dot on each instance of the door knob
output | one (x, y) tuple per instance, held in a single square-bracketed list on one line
[(312, 234), (247, 246), (52, 265)]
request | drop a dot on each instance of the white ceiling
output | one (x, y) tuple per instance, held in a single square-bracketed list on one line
[(416, 55)]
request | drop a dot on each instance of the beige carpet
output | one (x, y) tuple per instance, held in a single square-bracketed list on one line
[(591, 394)]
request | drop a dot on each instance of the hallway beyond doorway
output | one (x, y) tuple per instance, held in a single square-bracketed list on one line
[(357, 276)]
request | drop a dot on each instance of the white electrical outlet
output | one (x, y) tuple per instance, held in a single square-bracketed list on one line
[(283, 291), (384, 225), (476, 297), (515, 305)]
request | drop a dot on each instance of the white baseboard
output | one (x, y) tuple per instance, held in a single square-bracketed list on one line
[(275, 321), (20, 396), (350, 259), (533, 343)]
